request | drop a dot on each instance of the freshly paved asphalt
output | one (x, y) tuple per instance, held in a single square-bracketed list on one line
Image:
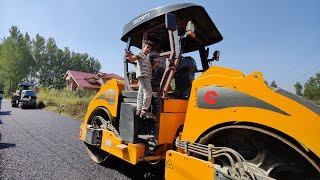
[(39, 144)]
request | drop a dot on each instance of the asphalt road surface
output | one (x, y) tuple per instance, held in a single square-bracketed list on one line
[(39, 144)]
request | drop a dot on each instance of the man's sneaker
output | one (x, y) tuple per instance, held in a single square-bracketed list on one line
[(138, 112)]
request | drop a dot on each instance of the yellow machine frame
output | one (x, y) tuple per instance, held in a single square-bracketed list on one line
[(219, 98), (299, 120)]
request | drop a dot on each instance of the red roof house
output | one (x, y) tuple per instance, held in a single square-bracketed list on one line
[(76, 80)]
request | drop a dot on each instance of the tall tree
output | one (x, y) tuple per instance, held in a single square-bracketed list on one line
[(298, 87), (15, 58), (312, 88), (51, 64), (62, 60), (274, 84), (39, 55), (27, 58)]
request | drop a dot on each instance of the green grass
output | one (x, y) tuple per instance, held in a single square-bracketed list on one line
[(70, 103), (317, 102)]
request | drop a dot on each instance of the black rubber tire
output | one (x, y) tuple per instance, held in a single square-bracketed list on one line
[(95, 153), (275, 156), (14, 105)]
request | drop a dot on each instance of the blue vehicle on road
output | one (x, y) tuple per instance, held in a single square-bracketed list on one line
[(16, 97)]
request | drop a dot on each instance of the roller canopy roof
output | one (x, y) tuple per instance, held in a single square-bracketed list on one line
[(206, 31)]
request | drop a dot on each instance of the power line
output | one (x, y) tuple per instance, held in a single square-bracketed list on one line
[(314, 70), (313, 53)]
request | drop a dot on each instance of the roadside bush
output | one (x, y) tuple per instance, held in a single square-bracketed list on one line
[(70, 103), (41, 104), (76, 110)]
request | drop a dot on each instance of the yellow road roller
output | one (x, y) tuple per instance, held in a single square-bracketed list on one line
[(212, 122)]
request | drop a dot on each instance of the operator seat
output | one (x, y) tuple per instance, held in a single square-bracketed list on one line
[(184, 76)]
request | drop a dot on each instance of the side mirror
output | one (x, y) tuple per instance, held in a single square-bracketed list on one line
[(216, 55), (171, 22)]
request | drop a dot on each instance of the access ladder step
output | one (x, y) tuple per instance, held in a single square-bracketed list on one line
[(146, 136), (149, 116), (122, 146)]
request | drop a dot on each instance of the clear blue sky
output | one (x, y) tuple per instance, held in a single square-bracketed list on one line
[(279, 38)]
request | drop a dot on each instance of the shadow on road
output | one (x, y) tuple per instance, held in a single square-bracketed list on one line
[(142, 170), (5, 112), (2, 113), (6, 145), (31, 108)]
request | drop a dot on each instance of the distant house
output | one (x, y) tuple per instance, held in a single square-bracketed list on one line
[(76, 80)]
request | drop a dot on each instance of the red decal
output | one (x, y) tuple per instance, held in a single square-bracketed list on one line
[(211, 97)]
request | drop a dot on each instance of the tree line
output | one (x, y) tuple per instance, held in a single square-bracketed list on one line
[(39, 60), (311, 88), (272, 84)]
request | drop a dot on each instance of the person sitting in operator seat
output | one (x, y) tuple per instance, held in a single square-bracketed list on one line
[(158, 69)]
